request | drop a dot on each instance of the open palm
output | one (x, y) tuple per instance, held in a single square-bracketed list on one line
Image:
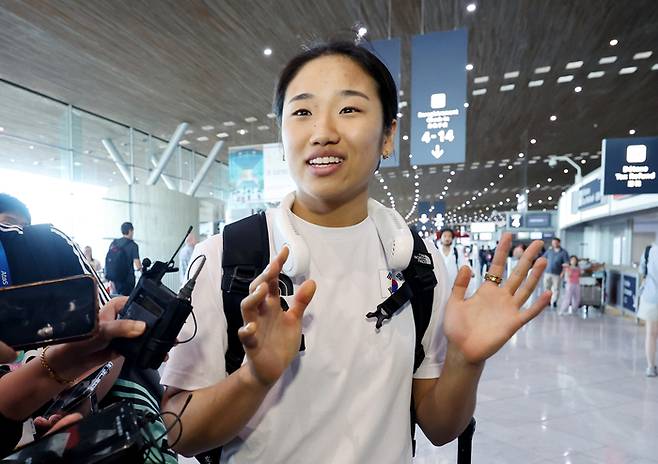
[(481, 325)]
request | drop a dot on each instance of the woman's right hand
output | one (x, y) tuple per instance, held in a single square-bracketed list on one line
[(271, 336)]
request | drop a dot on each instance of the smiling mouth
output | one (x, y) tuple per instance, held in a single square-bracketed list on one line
[(323, 161)]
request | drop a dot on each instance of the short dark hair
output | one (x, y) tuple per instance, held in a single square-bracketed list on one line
[(9, 204), (572, 257), (447, 229), (126, 227), (555, 238), (373, 66)]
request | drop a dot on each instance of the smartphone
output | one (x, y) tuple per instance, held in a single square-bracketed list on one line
[(69, 400), (48, 312), (111, 435)]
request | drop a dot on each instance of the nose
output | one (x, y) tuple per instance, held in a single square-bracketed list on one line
[(324, 131)]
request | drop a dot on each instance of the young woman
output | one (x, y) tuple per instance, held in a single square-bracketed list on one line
[(572, 288), (346, 398)]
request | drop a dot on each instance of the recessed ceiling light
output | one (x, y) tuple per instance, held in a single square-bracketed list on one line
[(267, 52), (583, 161), (654, 67), (574, 65), (614, 42), (567, 78), (466, 105), (479, 91), (405, 137), (521, 155), (471, 7), (533, 141), (208, 128), (553, 117), (631, 132), (536, 83), (242, 131), (549, 180), (189, 132), (362, 31), (481, 80), (578, 89), (229, 124), (511, 75), (566, 171), (202, 138), (506, 88), (31, 147), (642, 55), (399, 115), (271, 115), (222, 135), (469, 67), (500, 176), (542, 70), (537, 185), (595, 74), (509, 167), (608, 60), (263, 128), (184, 142), (628, 70)]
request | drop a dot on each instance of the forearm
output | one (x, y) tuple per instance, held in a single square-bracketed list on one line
[(445, 410), (29, 387), (216, 414)]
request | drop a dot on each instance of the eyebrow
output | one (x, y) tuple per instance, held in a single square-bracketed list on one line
[(344, 93)]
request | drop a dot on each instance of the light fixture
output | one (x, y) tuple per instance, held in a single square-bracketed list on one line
[(578, 89), (206, 128), (222, 135), (469, 67), (537, 186), (362, 31), (533, 141), (500, 176), (549, 180), (471, 7), (405, 137), (566, 171), (595, 74), (521, 155), (553, 117), (614, 42), (203, 138), (509, 167), (242, 131), (583, 161), (267, 51), (466, 105), (399, 115), (628, 70), (631, 132)]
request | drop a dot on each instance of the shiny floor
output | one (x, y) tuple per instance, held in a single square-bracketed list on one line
[(564, 390)]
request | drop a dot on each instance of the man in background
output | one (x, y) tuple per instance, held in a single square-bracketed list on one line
[(556, 257), (13, 211), (122, 260)]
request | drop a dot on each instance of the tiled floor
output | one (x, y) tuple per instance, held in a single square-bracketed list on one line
[(564, 390)]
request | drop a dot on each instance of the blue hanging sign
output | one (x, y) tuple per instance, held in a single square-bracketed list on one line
[(438, 94), (630, 165), (388, 51)]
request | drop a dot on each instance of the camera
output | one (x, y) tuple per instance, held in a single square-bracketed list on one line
[(163, 311)]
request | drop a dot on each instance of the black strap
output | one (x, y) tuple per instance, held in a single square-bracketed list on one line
[(454, 250), (245, 254)]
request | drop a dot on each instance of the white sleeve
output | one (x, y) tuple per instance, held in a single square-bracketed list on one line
[(434, 341), (200, 362)]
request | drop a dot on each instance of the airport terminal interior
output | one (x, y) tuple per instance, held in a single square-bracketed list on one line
[(515, 121)]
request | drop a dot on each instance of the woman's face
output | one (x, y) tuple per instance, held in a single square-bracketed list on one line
[(332, 130)]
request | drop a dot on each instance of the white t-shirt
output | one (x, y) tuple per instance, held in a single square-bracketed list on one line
[(346, 398)]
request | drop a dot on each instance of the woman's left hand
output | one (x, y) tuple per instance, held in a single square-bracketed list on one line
[(479, 326)]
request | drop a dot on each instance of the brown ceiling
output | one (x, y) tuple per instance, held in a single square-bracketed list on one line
[(152, 64)]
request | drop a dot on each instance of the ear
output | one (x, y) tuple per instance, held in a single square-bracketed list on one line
[(389, 138)]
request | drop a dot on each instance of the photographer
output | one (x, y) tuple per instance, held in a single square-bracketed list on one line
[(26, 389)]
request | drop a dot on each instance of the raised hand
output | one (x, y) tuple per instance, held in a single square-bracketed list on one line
[(482, 324), (271, 336)]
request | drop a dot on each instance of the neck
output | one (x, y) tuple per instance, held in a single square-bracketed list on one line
[(447, 248), (331, 214)]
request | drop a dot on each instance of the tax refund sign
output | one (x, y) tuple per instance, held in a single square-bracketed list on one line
[(630, 165)]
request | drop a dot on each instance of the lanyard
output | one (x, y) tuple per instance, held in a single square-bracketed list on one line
[(5, 276)]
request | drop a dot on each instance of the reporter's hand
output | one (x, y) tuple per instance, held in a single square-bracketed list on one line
[(7, 354), (70, 360), (271, 336), (55, 422)]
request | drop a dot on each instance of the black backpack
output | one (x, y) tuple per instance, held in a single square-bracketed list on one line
[(246, 252), (117, 262), (645, 268)]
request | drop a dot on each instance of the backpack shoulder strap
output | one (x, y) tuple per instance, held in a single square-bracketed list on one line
[(246, 252), (420, 276), (454, 250)]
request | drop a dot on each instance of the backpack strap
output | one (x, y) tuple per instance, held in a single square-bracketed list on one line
[(454, 250), (246, 253)]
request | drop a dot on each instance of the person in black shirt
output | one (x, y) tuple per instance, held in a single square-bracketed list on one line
[(122, 275)]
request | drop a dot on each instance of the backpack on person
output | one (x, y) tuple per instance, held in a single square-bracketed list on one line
[(645, 266), (117, 262), (246, 253)]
